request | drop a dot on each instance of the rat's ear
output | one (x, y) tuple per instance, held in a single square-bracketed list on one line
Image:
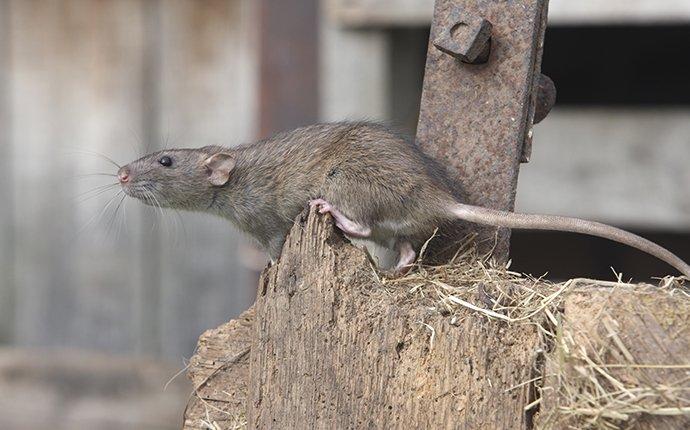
[(219, 167)]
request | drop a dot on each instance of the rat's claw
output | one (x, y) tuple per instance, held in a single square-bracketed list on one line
[(316, 202), (321, 205)]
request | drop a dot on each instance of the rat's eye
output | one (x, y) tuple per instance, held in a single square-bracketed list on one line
[(165, 161)]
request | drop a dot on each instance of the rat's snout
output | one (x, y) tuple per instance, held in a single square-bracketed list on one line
[(123, 175)]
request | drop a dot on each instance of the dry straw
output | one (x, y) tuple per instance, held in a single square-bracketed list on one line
[(590, 385)]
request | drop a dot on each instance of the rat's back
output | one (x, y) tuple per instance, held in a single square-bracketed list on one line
[(372, 174), (314, 151)]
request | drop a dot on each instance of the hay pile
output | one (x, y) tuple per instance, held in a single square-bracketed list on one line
[(610, 360)]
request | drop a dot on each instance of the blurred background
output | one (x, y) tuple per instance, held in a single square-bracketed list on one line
[(101, 304)]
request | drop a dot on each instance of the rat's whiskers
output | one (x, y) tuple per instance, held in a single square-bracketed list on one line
[(101, 212), (90, 175), (94, 192), (114, 215), (98, 154)]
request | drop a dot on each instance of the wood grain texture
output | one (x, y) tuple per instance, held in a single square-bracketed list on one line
[(333, 348), (624, 327), (219, 372)]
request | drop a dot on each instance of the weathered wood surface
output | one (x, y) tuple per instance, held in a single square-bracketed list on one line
[(333, 348), (219, 372), (355, 76), (639, 337), (600, 158), (117, 77)]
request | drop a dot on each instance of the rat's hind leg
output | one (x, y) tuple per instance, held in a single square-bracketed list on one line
[(345, 224), (406, 257)]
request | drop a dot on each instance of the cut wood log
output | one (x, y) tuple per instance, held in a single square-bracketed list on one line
[(468, 346)]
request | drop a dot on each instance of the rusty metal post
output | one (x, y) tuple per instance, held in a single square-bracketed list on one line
[(478, 103)]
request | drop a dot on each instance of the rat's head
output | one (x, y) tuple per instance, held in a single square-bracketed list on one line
[(178, 178)]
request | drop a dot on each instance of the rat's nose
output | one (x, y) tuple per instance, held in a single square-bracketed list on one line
[(123, 175)]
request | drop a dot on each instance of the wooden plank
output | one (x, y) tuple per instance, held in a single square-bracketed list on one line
[(621, 166), (43, 292), (638, 340), (7, 301), (146, 298), (91, 80), (628, 12), (207, 96), (74, 87), (359, 13), (355, 77), (370, 13)]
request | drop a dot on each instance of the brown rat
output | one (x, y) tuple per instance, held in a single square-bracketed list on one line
[(376, 184)]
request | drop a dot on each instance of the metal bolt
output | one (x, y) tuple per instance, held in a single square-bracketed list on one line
[(546, 98), (468, 38)]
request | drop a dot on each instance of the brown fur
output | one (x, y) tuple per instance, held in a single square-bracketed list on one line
[(373, 176)]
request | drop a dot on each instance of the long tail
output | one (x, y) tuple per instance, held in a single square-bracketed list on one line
[(498, 218)]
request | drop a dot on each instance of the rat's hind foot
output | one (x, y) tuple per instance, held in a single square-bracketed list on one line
[(405, 259), (345, 224)]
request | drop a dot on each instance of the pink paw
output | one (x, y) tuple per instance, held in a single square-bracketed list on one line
[(321, 205)]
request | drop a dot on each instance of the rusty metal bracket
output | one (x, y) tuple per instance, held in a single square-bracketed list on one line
[(477, 118)]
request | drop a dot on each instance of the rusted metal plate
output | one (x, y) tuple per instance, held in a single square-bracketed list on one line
[(477, 118)]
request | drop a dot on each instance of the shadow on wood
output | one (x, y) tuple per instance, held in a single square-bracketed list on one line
[(332, 346)]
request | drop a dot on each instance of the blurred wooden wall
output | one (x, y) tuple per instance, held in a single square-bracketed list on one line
[(121, 78)]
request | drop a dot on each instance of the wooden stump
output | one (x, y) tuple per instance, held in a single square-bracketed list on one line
[(331, 347)]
